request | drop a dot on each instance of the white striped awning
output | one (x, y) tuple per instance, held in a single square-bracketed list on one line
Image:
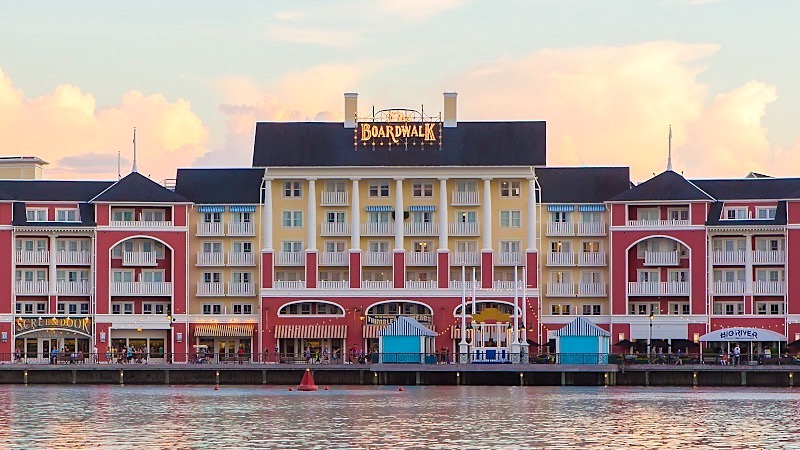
[(242, 208), (560, 208), (582, 327), (371, 330), (220, 330), (406, 326), (591, 208), (310, 331)]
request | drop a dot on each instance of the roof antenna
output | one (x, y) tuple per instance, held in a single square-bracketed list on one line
[(119, 165), (134, 168), (669, 154)]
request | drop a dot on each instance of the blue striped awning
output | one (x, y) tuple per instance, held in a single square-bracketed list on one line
[(406, 326), (582, 327), (242, 208), (591, 208), (423, 208), (560, 208), (379, 208), (211, 209)]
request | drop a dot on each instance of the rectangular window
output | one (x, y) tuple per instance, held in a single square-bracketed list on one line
[(560, 246), (212, 277), (127, 308), (509, 188), (735, 214), (728, 308), (377, 217), (466, 216), (378, 189), (122, 215), (422, 246), (212, 217), (591, 310), (591, 216), (728, 245), (679, 308), (242, 277), (561, 309), (559, 216), (648, 276), (213, 308), (422, 217), (292, 219), (509, 219), (765, 213), (769, 244), (466, 246), (335, 186), (647, 214), (160, 308), (153, 276), (153, 215), (679, 214), (31, 245), (422, 189), (291, 246), (466, 186), (116, 308), (292, 189), (561, 277), (335, 217), (242, 217), (510, 246), (36, 215), (67, 215), (212, 247), (591, 277), (378, 246), (242, 247), (334, 246), (771, 275), (147, 308), (590, 246)]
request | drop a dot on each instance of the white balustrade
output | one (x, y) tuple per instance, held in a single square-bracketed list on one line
[(591, 229), (32, 287), (334, 199), (768, 257), (723, 257), (139, 258), (503, 285), (661, 258), (421, 285), (466, 259), (560, 259), (76, 257), (421, 259), (508, 259), (421, 229), (383, 284), (333, 259), (241, 259), (72, 288), (560, 289), (465, 198), (592, 289), (241, 229), (768, 287), (658, 223), (290, 258), (210, 289), (377, 259), (210, 259), (290, 285), (729, 287), (140, 223), (33, 257), (658, 288), (210, 229), (141, 288), (377, 229), (333, 285), (457, 285), (463, 228), (592, 259), (335, 229), (560, 229), (241, 289)]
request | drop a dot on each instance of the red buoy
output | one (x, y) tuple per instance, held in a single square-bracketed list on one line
[(290, 389), (400, 389), (307, 384), (216, 387), (326, 388)]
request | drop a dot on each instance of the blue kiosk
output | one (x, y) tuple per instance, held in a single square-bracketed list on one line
[(582, 342), (406, 341)]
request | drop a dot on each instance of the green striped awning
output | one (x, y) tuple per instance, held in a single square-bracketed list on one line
[(421, 208)]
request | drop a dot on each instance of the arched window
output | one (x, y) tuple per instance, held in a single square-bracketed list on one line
[(311, 308)]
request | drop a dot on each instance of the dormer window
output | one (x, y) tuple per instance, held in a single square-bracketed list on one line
[(735, 214), (67, 215), (765, 213), (36, 215)]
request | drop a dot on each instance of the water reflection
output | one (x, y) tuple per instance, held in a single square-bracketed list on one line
[(360, 417)]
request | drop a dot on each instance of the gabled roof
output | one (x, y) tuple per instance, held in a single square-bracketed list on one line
[(137, 188), (666, 186), (53, 191), (582, 184), (751, 188), (582, 327), (406, 326), (225, 186)]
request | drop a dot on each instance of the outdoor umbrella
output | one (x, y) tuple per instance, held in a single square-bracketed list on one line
[(532, 343), (625, 343), (683, 343)]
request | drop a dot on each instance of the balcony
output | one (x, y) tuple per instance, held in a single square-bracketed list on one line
[(377, 229), (658, 223), (383, 284), (241, 259), (210, 289), (421, 285), (41, 287), (290, 259), (728, 287), (768, 288), (377, 259), (241, 289), (241, 229), (421, 259), (210, 229), (333, 285), (140, 223), (503, 285), (591, 229), (290, 285), (421, 229), (722, 257), (334, 199), (592, 289), (658, 288), (768, 257), (560, 259), (661, 258), (210, 259), (463, 228), (335, 229), (72, 288), (333, 259), (139, 259), (466, 198), (459, 285), (33, 257), (466, 259), (560, 229), (592, 259), (560, 289), (508, 259), (141, 288), (77, 257)]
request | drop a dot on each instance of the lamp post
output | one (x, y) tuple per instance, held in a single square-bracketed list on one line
[(650, 341)]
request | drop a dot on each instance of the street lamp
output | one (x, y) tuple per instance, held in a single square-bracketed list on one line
[(650, 341)]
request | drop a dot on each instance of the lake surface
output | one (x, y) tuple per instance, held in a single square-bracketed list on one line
[(150, 417)]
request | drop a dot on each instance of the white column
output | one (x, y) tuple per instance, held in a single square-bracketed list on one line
[(52, 272), (398, 214), (311, 223), (748, 265), (355, 218), (443, 218), (267, 214), (531, 225), (487, 214)]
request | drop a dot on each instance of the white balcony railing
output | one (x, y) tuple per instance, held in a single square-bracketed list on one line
[(722, 257), (210, 289), (457, 285), (377, 259), (768, 287), (661, 258), (465, 198), (592, 289), (466, 259), (139, 258), (335, 229), (592, 259), (421, 285), (241, 259), (377, 229), (72, 288), (463, 228), (509, 259), (334, 199), (420, 228), (560, 229), (333, 259), (658, 288), (77, 257), (503, 285), (241, 229), (290, 285), (32, 287), (421, 259), (382, 284), (729, 287), (141, 288), (658, 223), (210, 229), (290, 258), (561, 289), (33, 257), (210, 259), (333, 285), (591, 229), (768, 257), (140, 223), (241, 289), (560, 259)]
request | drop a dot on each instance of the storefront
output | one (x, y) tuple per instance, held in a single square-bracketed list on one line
[(36, 338), (755, 344), (321, 342), (224, 341), (152, 344)]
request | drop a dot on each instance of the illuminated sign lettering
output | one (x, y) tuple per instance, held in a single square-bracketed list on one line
[(398, 132), (398, 128), (24, 324)]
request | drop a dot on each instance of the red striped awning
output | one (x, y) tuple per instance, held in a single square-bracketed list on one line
[(310, 331)]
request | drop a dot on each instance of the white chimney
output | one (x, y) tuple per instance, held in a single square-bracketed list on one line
[(350, 109), (450, 120)]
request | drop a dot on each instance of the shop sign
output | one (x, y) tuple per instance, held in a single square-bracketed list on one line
[(81, 325), (398, 128), (741, 334)]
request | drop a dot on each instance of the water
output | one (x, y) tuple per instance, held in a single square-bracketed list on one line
[(132, 417)]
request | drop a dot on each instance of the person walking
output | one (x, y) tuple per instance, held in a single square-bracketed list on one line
[(737, 352)]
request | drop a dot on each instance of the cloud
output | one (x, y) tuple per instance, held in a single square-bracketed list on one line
[(310, 35), (93, 163)]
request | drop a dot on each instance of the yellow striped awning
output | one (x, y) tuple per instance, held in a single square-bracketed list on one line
[(220, 330), (310, 331)]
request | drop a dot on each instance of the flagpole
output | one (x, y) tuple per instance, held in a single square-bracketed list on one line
[(669, 150), (473, 291), (134, 168)]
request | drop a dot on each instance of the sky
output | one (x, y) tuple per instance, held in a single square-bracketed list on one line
[(609, 77)]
